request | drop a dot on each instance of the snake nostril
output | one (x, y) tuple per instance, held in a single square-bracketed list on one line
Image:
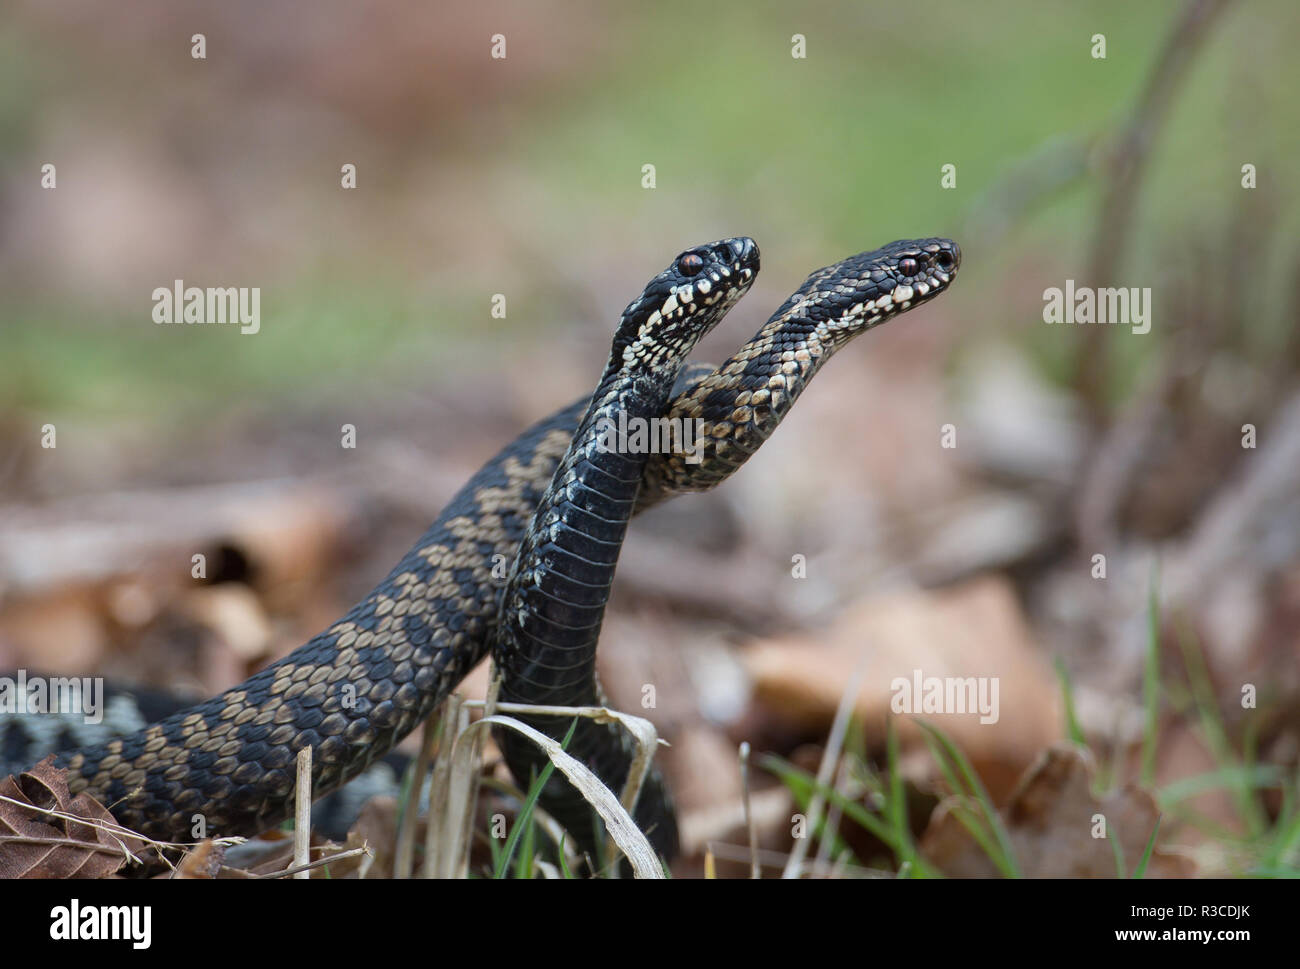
[(944, 260)]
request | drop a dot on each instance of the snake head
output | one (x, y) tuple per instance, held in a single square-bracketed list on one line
[(684, 302), (863, 291)]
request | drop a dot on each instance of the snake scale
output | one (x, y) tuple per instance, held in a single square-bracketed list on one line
[(357, 688), (558, 587)]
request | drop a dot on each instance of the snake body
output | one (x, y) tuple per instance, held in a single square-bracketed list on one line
[(555, 597), (358, 687), (554, 601)]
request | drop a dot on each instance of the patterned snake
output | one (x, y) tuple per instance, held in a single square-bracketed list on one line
[(555, 597), (359, 687)]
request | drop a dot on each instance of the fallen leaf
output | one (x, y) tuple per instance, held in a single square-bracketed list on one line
[(1058, 828), (37, 844), (975, 629)]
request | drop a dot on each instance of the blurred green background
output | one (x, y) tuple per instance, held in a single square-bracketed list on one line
[(523, 175)]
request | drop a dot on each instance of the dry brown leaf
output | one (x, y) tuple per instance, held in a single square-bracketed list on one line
[(234, 614), (1052, 822), (203, 861), (37, 844), (62, 629), (972, 630)]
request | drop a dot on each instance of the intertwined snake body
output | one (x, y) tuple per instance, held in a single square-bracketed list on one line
[(555, 597), (357, 688), (554, 602)]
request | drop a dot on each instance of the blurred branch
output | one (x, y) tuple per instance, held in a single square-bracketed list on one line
[(1107, 477), (1257, 512), (1124, 165), (1207, 323)]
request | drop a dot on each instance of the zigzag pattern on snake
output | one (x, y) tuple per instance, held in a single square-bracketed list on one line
[(357, 688), (551, 614)]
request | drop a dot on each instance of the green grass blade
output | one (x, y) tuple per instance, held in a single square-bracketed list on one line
[(527, 849), (1121, 869), (802, 784), (564, 862), (1141, 869), (1245, 793), (967, 818), (1005, 856), (526, 811), (1284, 851), (494, 849), (897, 800), (1072, 728), (1236, 777)]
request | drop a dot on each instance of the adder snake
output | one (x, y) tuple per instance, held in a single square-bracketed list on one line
[(357, 688)]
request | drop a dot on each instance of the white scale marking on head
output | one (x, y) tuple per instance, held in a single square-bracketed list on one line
[(901, 294), (704, 286)]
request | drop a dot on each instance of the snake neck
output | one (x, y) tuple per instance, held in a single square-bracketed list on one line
[(737, 406), (554, 602), (554, 606)]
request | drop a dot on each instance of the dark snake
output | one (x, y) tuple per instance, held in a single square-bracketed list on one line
[(555, 597), (359, 687)]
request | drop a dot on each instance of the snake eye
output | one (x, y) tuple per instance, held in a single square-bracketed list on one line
[(944, 260), (690, 264), (907, 266)]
